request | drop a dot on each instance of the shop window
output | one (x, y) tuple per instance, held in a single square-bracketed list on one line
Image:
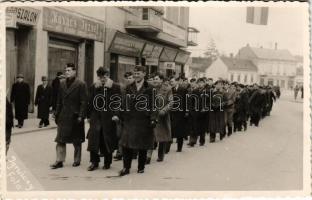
[(251, 79), (245, 78), (232, 77), (238, 78)]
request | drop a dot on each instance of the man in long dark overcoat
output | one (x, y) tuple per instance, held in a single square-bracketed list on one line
[(241, 108), (69, 116), (55, 88), (178, 114), (138, 120), (198, 115), (256, 104), (43, 100), (20, 96), (216, 113), (102, 135)]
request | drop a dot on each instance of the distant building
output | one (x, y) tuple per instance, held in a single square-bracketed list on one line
[(198, 66), (275, 66), (299, 71), (233, 69)]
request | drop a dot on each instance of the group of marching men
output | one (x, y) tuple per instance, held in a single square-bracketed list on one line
[(123, 118)]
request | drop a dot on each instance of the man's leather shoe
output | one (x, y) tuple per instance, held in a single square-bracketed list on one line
[(57, 165), (140, 171), (76, 164), (124, 172), (93, 166), (106, 166), (179, 150), (148, 161), (160, 159)]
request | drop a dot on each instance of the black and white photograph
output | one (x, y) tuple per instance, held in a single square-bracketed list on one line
[(187, 99)]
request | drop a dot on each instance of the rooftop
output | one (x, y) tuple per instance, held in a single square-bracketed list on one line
[(238, 64)]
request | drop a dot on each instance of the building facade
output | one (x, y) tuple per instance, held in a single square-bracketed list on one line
[(234, 70), (275, 66), (41, 40)]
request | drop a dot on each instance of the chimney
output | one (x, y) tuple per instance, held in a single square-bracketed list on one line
[(275, 45)]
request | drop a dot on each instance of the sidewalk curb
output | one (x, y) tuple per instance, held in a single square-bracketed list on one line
[(34, 130)]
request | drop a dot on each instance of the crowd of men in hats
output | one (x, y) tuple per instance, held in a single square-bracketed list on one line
[(185, 110)]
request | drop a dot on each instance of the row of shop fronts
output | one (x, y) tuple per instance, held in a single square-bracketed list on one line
[(40, 41)]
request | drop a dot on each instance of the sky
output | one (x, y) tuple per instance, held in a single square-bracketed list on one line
[(228, 28)]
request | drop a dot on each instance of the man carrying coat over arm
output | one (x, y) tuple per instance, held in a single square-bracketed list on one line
[(69, 116)]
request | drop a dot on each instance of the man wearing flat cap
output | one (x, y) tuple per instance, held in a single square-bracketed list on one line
[(20, 96), (43, 100), (69, 116)]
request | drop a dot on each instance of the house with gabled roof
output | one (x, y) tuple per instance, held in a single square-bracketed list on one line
[(275, 66), (233, 69), (198, 66)]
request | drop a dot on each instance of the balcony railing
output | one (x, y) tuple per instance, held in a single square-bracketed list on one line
[(144, 19), (192, 36)]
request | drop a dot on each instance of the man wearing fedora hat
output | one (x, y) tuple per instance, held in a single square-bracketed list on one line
[(43, 100), (20, 96)]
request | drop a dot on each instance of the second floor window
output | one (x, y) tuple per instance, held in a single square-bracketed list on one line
[(145, 14)]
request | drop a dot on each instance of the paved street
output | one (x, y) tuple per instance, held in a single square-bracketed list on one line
[(264, 158)]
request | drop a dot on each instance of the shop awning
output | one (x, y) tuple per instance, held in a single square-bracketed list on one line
[(182, 57), (126, 44)]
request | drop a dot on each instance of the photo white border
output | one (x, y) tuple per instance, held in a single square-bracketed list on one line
[(162, 194)]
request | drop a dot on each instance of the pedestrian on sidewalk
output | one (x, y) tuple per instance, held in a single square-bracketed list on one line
[(69, 116), (138, 119), (20, 97), (296, 90), (43, 100), (102, 135), (55, 88)]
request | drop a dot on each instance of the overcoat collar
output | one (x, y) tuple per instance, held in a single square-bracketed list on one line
[(74, 85), (133, 89)]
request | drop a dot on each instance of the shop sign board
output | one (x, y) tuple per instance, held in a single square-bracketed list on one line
[(22, 15), (182, 57), (168, 54), (169, 65), (151, 61), (126, 60), (125, 44), (64, 22)]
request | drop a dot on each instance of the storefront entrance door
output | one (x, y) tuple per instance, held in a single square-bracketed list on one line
[(59, 56)]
